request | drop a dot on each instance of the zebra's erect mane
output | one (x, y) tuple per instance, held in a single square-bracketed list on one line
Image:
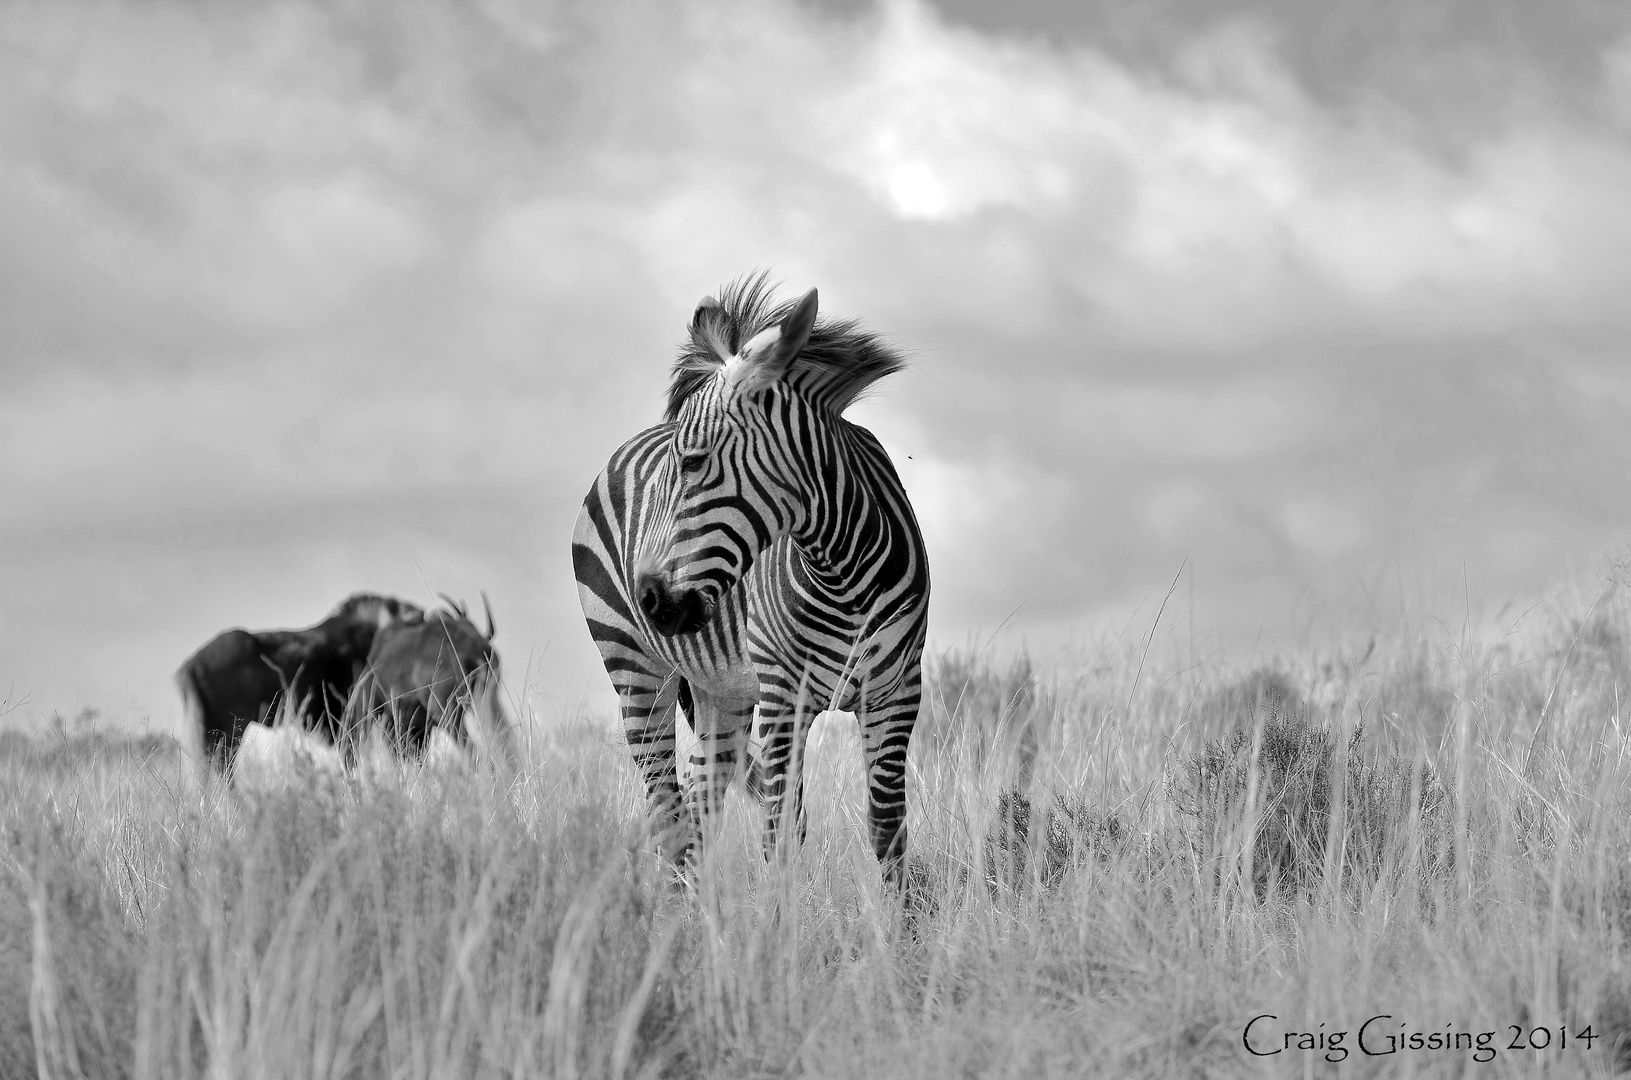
[(837, 365)]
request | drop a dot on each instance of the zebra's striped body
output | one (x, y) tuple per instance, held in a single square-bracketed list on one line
[(758, 551)]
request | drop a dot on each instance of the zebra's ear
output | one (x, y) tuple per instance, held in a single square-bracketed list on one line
[(766, 357), (705, 307), (711, 327)]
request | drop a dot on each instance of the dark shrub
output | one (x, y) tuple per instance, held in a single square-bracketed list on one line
[(1393, 813), (1266, 693), (1069, 831)]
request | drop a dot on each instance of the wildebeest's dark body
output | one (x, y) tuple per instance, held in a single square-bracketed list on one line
[(424, 675), (242, 677)]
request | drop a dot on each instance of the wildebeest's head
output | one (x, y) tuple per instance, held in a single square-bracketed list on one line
[(428, 674), (458, 608)]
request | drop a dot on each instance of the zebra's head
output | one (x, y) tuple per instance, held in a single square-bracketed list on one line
[(749, 447)]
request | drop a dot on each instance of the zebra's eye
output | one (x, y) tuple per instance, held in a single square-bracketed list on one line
[(693, 463)]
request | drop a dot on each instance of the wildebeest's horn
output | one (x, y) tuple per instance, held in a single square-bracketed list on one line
[(458, 609), (488, 608)]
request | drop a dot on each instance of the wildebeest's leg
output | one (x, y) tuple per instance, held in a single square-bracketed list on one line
[(415, 728), (487, 708), (453, 712), (362, 710), (475, 703), (330, 723), (351, 733), (407, 726), (456, 722), (220, 746), (721, 726), (886, 730), (392, 723)]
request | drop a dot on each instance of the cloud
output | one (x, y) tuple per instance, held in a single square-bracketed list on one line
[(271, 174), (1227, 203), (347, 295)]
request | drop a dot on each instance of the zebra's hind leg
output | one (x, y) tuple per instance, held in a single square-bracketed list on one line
[(721, 725), (886, 730), (648, 701)]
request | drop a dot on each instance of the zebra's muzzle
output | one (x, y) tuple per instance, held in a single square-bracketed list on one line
[(669, 612)]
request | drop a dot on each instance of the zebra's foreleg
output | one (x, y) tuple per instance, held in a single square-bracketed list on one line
[(886, 730), (721, 728), (648, 726), (779, 772)]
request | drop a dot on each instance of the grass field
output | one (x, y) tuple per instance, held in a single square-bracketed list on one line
[(1435, 831)]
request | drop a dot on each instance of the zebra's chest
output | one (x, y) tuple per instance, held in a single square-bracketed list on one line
[(714, 658), (776, 619)]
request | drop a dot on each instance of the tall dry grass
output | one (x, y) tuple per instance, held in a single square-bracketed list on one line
[(1115, 867)]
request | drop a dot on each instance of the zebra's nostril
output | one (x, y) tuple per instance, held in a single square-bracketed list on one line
[(651, 599)]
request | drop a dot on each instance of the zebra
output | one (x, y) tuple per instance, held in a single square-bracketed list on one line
[(756, 550)]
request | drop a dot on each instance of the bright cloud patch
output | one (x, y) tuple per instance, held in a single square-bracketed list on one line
[(1195, 210)]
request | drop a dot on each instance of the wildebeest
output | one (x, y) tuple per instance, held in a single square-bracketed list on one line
[(425, 675), (241, 677)]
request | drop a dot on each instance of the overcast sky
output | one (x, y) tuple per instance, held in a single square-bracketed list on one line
[(1325, 303)]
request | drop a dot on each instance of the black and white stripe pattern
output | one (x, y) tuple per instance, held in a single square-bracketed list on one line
[(757, 551)]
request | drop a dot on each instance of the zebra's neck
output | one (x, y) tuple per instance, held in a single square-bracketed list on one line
[(854, 539)]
